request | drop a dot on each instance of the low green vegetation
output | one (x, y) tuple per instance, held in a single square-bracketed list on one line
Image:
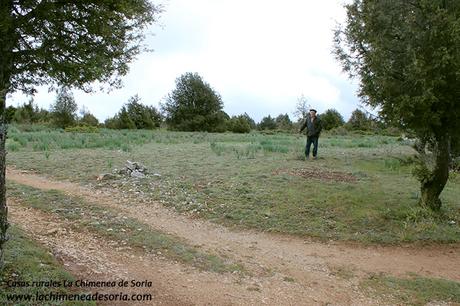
[(361, 188), (27, 262), (413, 290), (112, 225)]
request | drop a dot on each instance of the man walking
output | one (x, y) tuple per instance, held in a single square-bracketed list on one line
[(313, 125)]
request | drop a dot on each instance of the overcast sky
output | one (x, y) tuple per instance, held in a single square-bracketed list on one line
[(260, 55)]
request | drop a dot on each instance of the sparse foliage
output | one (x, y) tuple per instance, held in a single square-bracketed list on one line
[(302, 108)]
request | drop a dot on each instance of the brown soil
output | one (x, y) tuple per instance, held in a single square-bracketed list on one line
[(284, 270)]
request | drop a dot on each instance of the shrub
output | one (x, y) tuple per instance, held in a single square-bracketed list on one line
[(135, 115), (359, 121), (284, 123), (267, 123), (239, 124), (89, 120), (331, 118)]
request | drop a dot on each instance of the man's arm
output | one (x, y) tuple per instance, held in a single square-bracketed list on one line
[(304, 125), (320, 126)]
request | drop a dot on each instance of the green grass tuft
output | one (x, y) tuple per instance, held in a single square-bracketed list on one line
[(414, 290)]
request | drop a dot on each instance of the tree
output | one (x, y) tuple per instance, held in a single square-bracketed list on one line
[(86, 118), (89, 119), (64, 110), (223, 120), (65, 43), (406, 55), (193, 105), (358, 121), (111, 123), (283, 122), (239, 124), (302, 108), (28, 113), (25, 113), (331, 118), (135, 115), (267, 123), (144, 117), (252, 123)]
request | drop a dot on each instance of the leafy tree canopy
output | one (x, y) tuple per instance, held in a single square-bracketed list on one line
[(267, 123), (283, 122), (193, 105), (135, 115), (70, 42), (64, 110), (331, 118), (358, 120), (239, 124), (407, 57), (143, 116)]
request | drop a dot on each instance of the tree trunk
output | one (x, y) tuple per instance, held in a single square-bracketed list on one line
[(6, 66), (3, 205), (433, 185)]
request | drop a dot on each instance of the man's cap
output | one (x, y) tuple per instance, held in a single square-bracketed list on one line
[(313, 110)]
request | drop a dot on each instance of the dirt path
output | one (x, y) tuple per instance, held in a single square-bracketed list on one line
[(314, 267)]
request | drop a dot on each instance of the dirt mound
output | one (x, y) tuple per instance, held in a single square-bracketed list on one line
[(319, 174)]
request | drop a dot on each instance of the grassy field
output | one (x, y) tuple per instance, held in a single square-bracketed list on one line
[(361, 188)]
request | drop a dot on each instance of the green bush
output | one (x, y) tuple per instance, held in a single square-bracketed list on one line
[(88, 119), (331, 119), (359, 121), (239, 124), (267, 123)]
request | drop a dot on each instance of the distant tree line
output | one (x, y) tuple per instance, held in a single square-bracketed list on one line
[(192, 106)]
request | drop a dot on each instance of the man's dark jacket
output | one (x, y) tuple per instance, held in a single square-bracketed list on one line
[(313, 127)]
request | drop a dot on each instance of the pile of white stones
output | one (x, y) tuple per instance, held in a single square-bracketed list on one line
[(131, 169)]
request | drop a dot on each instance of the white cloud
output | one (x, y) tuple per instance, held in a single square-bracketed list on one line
[(261, 55)]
